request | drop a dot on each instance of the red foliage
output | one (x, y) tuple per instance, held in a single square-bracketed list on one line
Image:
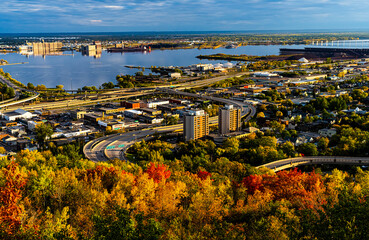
[(295, 186), (10, 194), (203, 175), (253, 183), (158, 173)]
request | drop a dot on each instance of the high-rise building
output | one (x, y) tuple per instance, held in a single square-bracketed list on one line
[(195, 124), (229, 119)]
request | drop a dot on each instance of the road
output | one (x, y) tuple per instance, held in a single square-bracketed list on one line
[(17, 90), (96, 150), (114, 147), (300, 161), (123, 93), (74, 103)]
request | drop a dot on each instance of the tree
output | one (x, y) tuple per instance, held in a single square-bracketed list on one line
[(308, 149), (30, 86), (171, 120), (2, 150), (10, 195), (260, 115), (122, 226), (59, 87), (108, 85), (289, 149), (279, 114), (43, 132), (158, 173), (323, 144)]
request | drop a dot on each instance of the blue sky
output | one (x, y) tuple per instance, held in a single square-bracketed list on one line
[(180, 15)]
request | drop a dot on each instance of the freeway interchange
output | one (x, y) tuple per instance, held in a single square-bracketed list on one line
[(102, 149)]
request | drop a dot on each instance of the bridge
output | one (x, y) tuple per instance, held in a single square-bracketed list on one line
[(301, 161), (363, 43)]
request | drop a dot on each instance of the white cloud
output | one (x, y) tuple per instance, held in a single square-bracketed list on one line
[(114, 7), (95, 21)]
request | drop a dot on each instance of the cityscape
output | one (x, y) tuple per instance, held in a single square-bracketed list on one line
[(192, 131)]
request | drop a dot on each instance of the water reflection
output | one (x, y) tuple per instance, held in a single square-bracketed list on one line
[(80, 70)]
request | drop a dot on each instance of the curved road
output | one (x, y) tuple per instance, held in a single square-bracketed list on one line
[(15, 101), (300, 161), (96, 150)]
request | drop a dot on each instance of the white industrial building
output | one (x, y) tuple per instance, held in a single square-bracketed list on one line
[(17, 114), (154, 104)]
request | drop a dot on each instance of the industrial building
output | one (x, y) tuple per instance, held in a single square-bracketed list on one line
[(195, 124), (46, 48), (229, 119), (93, 50)]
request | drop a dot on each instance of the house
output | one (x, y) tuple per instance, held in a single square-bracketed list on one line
[(10, 140), (327, 132)]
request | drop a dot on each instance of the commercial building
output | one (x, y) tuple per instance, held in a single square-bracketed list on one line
[(78, 114), (229, 119), (195, 124), (133, 113), (94, 118), (112, 110), (154, 104), (130, 104)]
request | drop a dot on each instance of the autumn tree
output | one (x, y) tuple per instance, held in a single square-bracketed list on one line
[(10, 195)]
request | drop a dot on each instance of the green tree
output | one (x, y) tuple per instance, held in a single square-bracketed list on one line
[(30, 86), (43, 132), (123, 226), (308, 149)]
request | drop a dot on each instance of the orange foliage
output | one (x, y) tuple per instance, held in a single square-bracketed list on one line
[(108, 176), (10, 194), (158, 173)]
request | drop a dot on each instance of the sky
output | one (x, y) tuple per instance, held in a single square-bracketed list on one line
[(36, 16)]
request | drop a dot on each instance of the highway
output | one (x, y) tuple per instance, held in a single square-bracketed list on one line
[(17, 90), (119, 93), (300, 161), (115, 146), (75, 102)]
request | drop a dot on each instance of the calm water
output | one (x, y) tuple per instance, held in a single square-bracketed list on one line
[(75, 71)]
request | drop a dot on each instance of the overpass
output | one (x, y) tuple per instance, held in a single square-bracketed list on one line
[(301, 161)]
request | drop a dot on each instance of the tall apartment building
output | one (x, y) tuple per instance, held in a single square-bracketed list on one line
[(195, 124), (229, 119)]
